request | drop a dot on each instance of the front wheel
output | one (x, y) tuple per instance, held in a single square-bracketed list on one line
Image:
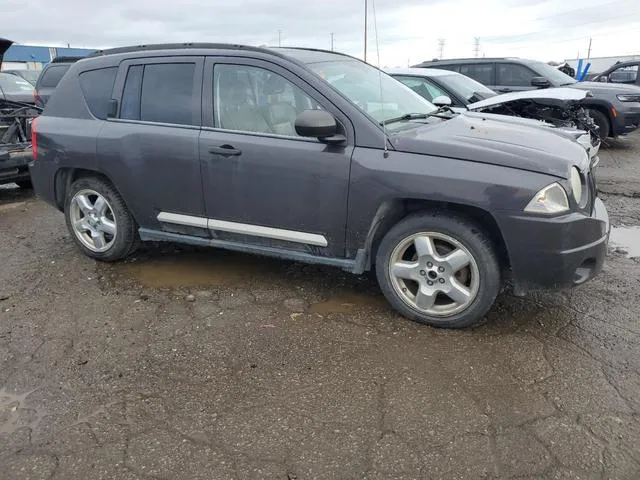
[(601, 120), (99, 221), (438, 269)]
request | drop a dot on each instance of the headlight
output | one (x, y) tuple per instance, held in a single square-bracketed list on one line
[(576, 184), (629, 98), (551, 199)]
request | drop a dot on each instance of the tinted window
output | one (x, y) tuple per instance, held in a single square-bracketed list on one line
[(512, 74), (167, 93), (130, 104), (52, 75), (482, 72), (423, 87), (252, 99), (97, 86), (624, 75)]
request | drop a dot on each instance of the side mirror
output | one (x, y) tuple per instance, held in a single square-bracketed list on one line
[(604, 79), (540, 82), (442, 101), (319, 124)]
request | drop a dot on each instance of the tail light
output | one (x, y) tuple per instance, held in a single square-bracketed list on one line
[(34, 138)]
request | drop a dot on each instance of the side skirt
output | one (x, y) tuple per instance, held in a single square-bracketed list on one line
[(148, 235)]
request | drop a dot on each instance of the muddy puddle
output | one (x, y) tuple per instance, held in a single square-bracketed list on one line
[(626, 240), (349, 303), (14, 414), (196, 269)]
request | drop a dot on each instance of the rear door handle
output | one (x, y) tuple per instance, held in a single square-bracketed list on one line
[(225, 151)]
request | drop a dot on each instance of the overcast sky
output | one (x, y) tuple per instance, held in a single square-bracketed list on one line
[(408, 30)]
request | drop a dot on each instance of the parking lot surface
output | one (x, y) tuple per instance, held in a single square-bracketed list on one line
[(204, 364)]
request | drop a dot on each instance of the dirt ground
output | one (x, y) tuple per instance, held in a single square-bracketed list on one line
[(202, 364)]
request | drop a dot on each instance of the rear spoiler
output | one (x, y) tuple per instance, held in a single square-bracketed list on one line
[(4, 46)]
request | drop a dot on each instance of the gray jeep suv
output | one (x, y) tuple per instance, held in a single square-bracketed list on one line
[(316, 157), (615, 108)]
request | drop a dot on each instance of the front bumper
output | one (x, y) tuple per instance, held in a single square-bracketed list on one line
[(556, 252), (626, 121), (14, 165)]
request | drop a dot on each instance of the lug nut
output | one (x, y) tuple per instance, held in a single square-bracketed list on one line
[(430, 283), (442, 280), (429, 264), (441, 269), (423, 273)]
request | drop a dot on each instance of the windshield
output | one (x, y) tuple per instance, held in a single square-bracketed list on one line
[(373, 91), (466, 87), (555, 76), (12, 84), (30, 76)]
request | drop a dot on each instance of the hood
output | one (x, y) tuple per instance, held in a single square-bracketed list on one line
[(4, 46), (597, 87), (480, 138), (561, 94)]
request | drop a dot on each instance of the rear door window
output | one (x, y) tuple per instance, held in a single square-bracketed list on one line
[(52, 76), (97, 87), (159, 92), (480, 72), (514, 75)]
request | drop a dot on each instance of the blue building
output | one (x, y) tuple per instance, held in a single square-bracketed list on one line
[(31, 57)]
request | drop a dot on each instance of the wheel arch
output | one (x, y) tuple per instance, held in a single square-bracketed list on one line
[(67, 175), (602, 107), (392, 211)]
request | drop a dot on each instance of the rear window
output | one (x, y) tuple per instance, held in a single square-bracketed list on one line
[(159, 92), (52, 75), (481, 72), (97, 86)]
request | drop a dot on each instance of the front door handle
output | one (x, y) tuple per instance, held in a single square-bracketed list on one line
[(225, 151)]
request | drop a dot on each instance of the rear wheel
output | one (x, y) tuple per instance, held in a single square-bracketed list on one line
[(99, 221), (602, 122), (438, 269)]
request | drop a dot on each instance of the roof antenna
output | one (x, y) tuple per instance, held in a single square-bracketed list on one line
[(375, 31)]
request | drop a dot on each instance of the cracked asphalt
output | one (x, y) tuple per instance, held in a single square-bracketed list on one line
[(201, 364)]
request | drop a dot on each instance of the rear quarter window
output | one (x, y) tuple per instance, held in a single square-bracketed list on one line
[(52, 76), (97, 87)]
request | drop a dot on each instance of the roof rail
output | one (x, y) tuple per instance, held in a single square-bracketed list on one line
[(66, 59), (174, 46)]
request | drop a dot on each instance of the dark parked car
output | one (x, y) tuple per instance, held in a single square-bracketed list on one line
[(614, 107), (621, 72), (317, 157), (50, 76), (30, 76), (16, 113)]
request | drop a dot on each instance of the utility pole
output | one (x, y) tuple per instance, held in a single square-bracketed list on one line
[(589, 51), (476, 47), (441, 42), (365, 30), (332, 41), (279, 38)]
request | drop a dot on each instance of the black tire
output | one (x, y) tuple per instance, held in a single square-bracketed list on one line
[(602, 121), (468, 234), (25, 184), (126, 240)]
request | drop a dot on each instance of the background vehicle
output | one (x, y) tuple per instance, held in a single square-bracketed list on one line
[(16, 114), (559, 107), (622, 72), (615, 108), (30, 76), (51, 75), (317, 157)]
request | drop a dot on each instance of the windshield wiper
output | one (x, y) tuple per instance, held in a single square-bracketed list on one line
[(413, 116)]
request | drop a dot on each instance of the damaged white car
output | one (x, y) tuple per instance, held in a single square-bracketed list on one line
[(557, 108)]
